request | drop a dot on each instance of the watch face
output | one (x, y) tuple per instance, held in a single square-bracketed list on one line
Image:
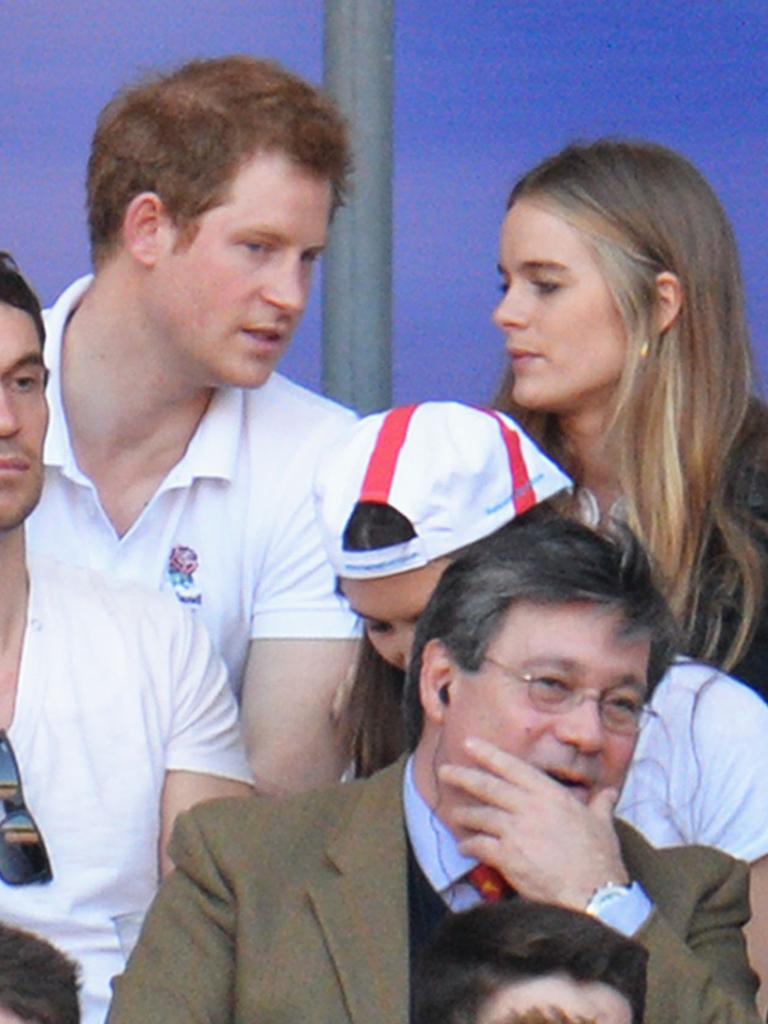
[(605, 895)]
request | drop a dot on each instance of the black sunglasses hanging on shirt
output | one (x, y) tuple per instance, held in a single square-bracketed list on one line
[(23, 856)]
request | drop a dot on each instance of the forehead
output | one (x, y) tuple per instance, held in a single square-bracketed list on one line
[(18, 336), (535, 230), (582, 1000), (272, 179), (392, 598), (586, 640), (7, 1017)]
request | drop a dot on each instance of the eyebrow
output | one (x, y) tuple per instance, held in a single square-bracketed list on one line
[(32, 359), (273, 237), (559, 664), (551, 662), (533, 265)]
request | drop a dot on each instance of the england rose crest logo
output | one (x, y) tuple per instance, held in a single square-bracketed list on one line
[(182, 566)]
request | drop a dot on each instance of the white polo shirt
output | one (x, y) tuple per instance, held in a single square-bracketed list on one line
[(231, 530), (117, 686), (700, 769)]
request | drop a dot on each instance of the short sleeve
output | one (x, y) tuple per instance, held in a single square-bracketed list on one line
[(205, 730), (297, 596)]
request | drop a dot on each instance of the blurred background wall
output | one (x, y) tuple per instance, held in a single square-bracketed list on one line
[(483, 91)]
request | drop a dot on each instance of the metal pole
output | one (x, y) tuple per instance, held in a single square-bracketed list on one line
[(357, 271)]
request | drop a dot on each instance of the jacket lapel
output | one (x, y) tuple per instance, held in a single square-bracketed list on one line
[(361, 903)]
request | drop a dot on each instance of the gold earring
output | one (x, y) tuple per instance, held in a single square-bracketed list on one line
[(644, 350)]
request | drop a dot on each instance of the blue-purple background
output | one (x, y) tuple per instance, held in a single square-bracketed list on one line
[(483, 90)]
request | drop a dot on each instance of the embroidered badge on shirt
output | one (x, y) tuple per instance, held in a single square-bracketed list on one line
[(182, 566)]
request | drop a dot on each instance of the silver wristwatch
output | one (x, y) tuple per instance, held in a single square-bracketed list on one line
[(604, 896)]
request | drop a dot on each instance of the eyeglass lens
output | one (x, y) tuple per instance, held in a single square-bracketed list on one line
[(23, 857)]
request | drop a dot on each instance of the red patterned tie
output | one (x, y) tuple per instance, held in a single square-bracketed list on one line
[(490, 883)]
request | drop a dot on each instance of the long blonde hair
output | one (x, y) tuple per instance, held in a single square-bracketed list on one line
[(686, 434)]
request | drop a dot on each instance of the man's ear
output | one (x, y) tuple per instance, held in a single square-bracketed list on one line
[(147, 228), (438, 671), (669, 299)]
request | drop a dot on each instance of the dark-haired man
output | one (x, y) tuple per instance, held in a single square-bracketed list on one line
[(38, 984), (176, 456), (115, 712), (530, 673), (494, 962)]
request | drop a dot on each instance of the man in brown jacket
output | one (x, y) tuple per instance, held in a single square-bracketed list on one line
[(531, 671)]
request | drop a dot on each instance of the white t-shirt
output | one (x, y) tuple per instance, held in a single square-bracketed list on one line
[(231, 530), (117, 686), (700, 770)]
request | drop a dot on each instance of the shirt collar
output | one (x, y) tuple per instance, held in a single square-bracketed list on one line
[(213, 448), (58, 449), (433, 844)]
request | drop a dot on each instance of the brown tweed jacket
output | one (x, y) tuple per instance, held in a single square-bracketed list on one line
[(289, 912)]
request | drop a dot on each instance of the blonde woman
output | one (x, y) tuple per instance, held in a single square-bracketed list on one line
[(623, 317)]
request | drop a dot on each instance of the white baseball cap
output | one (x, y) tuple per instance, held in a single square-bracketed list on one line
[(456, 472)]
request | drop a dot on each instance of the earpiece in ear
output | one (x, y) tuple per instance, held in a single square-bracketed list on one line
[(442, 693)]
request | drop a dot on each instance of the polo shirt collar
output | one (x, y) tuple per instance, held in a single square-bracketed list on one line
[(213, 450)]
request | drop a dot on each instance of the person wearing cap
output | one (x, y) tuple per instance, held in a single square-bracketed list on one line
[(397, 498), (530, 672)]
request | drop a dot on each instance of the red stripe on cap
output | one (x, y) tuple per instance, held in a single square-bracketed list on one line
[(383, 461), (523, 496)]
